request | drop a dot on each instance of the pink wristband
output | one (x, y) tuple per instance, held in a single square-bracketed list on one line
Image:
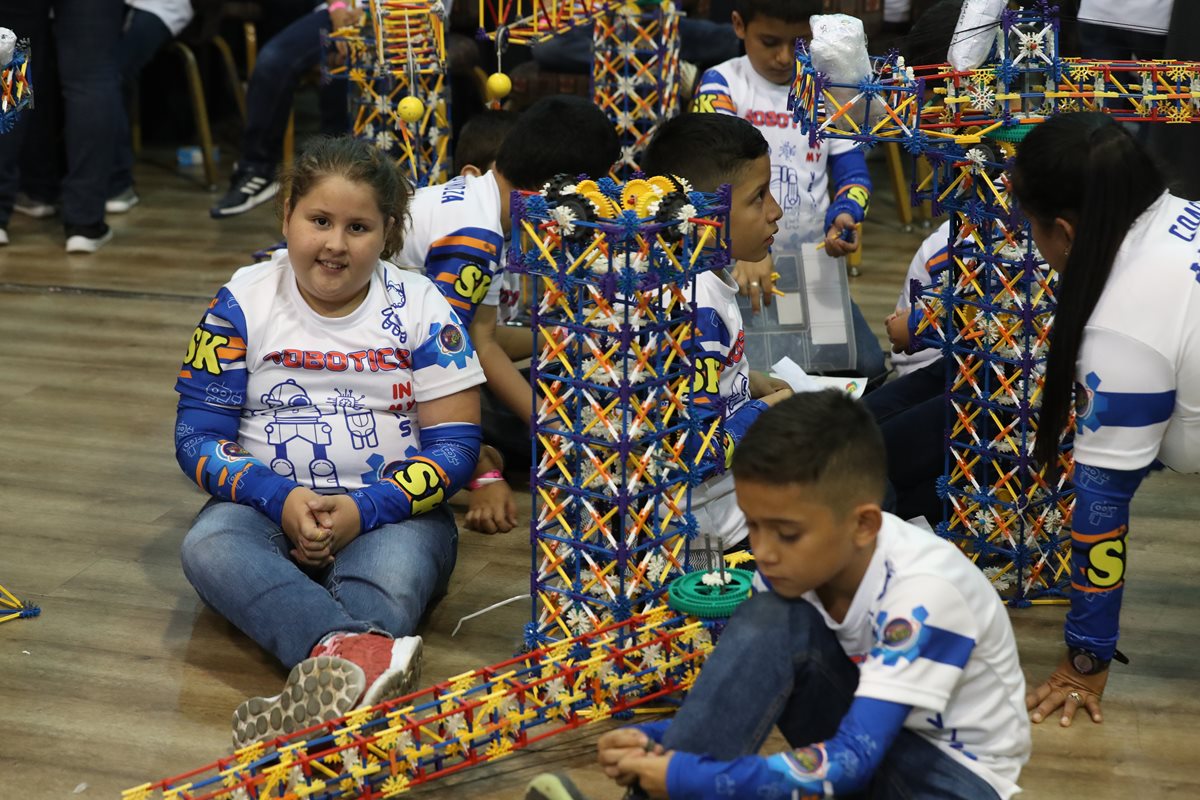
[(337, 5), (489, 477)]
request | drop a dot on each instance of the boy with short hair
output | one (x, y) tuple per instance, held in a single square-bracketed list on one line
[(708, 150), (883, 654), (755, 87), (457, 232)]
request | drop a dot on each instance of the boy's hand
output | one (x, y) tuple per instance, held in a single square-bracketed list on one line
[(835, 245), (1069, 690), (618, 745), (762, 384), (777, 396), (755, 279), (649, 770), (492, 509), (897, 330)]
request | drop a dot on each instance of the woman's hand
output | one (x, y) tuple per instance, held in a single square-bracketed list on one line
[(1070, 691)]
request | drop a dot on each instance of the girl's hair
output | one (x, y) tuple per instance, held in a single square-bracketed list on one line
[(358, 162), (1086, 168)]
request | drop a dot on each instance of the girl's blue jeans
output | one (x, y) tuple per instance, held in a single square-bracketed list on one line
[(238, 561)]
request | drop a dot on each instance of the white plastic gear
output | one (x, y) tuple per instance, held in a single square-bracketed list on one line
[(565, 219), (578, 621), (1002, 581)]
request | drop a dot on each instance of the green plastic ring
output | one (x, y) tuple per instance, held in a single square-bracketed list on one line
[(688, 594)]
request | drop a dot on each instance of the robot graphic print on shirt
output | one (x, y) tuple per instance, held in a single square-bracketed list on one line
[(295, 417)]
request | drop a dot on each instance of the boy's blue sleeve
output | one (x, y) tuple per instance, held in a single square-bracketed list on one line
[(463, 265), (1099, 526), (851, 186), (839, 766), (212, 391), (715, 350), (655, 730), (712, 94), (424, 481)]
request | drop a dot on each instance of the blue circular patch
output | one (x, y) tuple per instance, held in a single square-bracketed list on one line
[(897, 632), (451, 339), (232, 451)]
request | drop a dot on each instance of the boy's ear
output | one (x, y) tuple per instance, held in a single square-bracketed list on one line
[(868, 519), (287, 214), (470, 169), (739, 25)]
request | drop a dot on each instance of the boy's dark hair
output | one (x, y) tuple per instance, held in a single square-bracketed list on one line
[(481, 138), (823, 439), (789, 11), (1085, 167), (358, 162), (706, 149), (560, 134)]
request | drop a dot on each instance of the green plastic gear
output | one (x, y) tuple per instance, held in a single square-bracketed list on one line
[(1013, 133), (688, 594)]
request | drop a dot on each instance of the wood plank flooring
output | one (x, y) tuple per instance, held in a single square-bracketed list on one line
[(125, 678)]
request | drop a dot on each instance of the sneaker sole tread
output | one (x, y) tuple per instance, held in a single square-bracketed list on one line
[(317, 690)]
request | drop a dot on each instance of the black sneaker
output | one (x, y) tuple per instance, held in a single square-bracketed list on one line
[(247, 190), (87, 238)]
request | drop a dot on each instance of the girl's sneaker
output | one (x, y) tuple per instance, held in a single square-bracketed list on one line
[(392, 666), (317, 690)]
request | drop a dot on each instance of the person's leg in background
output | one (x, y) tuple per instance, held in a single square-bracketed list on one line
[(869, 360), (144, 34), (88, 33), (43, 156), (281, 63), (29, 19)]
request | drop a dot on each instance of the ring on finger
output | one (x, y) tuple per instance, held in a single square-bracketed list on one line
[(754, 284), (1076, 696)]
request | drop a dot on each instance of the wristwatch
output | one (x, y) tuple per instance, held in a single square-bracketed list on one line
[(1086, 662)]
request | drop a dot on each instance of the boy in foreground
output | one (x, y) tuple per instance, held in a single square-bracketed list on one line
[(884, 656)]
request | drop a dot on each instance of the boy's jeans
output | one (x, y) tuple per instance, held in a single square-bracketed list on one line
[(778, 663), (238, 561)]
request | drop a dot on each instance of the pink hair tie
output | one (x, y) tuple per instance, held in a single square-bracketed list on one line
[(489, 477), (337, 5)]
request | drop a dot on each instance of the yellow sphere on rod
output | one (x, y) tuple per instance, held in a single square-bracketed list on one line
[(410, 109), (499, 85)]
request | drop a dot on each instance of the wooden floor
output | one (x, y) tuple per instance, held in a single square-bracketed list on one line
[(125, 678)]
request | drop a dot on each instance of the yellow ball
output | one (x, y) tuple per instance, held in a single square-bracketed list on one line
[(499, 85), (411, 109)]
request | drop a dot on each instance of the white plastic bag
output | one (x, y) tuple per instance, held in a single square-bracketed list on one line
[(8, 43), (975, 33), (839, 49)]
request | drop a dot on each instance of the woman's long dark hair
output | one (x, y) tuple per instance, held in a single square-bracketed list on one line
[(1086, 168)]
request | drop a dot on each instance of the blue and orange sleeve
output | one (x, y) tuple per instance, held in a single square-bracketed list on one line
[(712, 95), (463, 265), (212, 391), (1099, 527), (851, 186)]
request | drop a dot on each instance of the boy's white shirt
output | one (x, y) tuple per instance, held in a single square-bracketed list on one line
[(441, 210), (918, 270), (713, 501), (799, 173), (1142, 16), (930, 599)]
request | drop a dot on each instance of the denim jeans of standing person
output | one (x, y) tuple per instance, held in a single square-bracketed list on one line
[(238, 561), (281, 64), (86, 33), (911, 412), (144, 34), (777, 663)]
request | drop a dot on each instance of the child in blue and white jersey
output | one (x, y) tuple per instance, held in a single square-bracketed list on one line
[(328, 403)]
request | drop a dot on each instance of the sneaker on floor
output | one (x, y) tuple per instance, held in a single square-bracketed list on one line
[(3, 237), (392, 666), (88, 238), (26, 205), (317, 690), (553, 786), (119, 204), (247, 190)]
